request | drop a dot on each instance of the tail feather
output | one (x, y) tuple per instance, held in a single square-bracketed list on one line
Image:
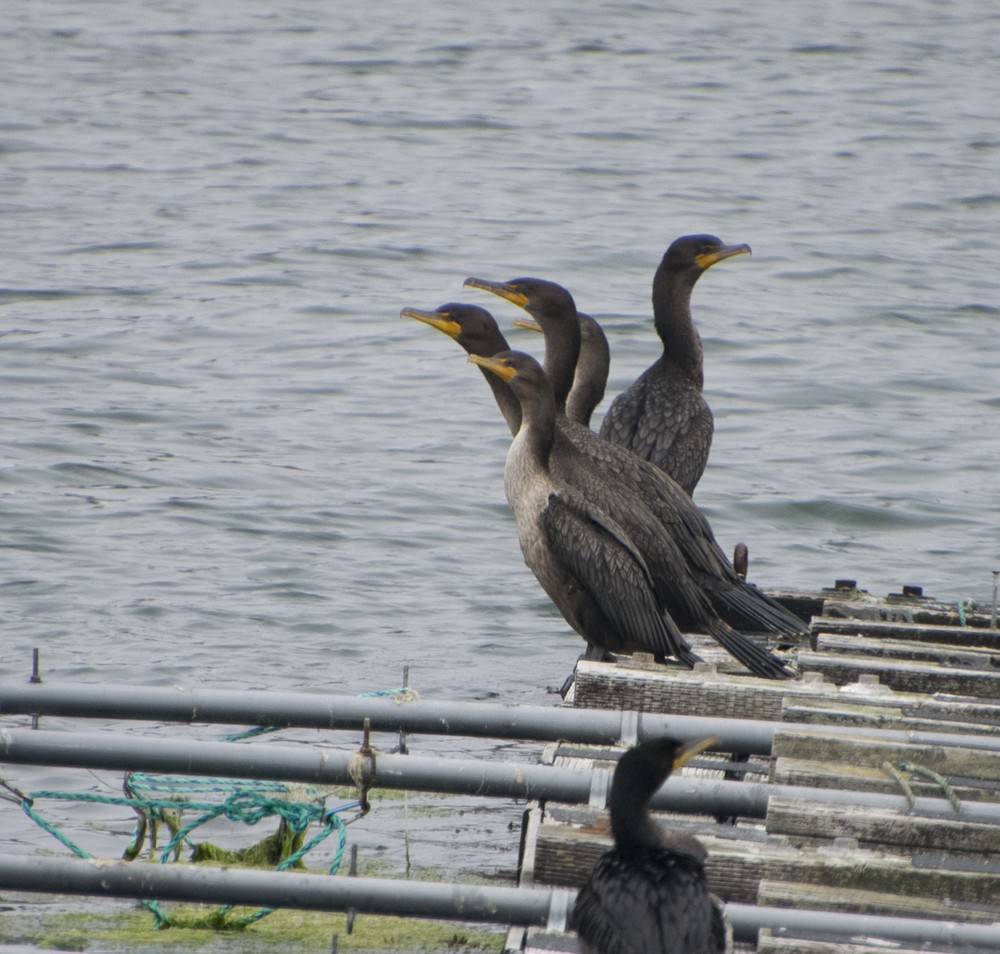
[(688, 656), (756, 658), (756, 607)]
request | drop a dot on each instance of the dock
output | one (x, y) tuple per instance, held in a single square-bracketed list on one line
[(851, 809), (903, 662)]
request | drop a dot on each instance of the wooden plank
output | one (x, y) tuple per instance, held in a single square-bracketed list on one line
[(953, 762), (870, 778), (980, 636), (811, 819), (902, 677), (941, 654), (928, 714), (795, 945), (736, 867), (818, 897), (611, 686), (618, 686)]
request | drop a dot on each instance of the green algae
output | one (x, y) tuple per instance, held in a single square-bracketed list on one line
[(131, 930)]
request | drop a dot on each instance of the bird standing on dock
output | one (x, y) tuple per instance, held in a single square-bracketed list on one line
[(699, 583), (649, 894), (663, 416), (676, 591), (582, 557)]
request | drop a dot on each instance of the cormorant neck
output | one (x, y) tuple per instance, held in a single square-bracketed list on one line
[(591, 376), (562, 351), (635, 830), (538, 424), (672, 319), (634, 833), (509, 405)]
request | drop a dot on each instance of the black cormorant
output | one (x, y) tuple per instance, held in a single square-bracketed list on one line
[(663, 416), (676, 590), (583, 559), (706, 566), (649, 894)]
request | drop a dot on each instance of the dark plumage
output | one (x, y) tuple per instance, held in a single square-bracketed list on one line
[(582, 557), (649, 894), (663, 417), (676, 590), (702, 582), (591, 375)]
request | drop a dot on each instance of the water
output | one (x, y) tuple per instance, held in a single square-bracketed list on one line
[(227, 461)]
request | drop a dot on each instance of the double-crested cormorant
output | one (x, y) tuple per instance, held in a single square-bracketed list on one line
[(706, 574), (663, 416), (649, 893), (676, 590), (583, 559)]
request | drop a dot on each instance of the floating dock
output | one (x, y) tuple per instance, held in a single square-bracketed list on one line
[(852, 809), (930, 850)]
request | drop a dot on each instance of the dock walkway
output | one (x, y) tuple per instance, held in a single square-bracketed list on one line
[(903, 662)]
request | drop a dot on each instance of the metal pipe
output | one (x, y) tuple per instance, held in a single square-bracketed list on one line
[(197, 883), (323, 766), (527, 907), (482, 720), (788, 922)]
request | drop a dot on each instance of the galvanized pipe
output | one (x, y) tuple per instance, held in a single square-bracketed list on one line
[(550, 908), (793, 922), (201, 884), (483, 720), (323, 766)]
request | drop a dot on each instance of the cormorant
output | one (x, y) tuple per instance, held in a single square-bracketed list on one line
[(676, 590), (583, 559), (649, 894), (705, 565), (663, 416)]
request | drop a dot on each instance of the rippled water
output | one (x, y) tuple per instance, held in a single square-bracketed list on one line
[(227, 460)]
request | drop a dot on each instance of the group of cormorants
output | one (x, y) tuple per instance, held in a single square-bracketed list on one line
[(607, 524), (606, 521)]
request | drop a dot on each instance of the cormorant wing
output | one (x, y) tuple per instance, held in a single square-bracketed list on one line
[(633, 906), (600, 556)]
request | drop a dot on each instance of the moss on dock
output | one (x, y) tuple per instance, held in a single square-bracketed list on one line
[(124, 927)]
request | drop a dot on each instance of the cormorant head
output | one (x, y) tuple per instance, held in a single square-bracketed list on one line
[(645, 767), (474, 328), (698, 253), (518, 369), (543, 300)]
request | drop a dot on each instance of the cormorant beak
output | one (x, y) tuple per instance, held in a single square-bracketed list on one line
[(498, 366), (528, 323), (503, 289), (691, 749), (436, 319), (708, 259)]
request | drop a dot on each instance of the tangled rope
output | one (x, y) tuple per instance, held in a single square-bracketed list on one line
[(163, 799)]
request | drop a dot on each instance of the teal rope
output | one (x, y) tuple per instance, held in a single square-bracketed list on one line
[(27, 804), (248, 804)]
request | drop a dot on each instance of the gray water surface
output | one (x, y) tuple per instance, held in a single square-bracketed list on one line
[(226, 459)]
